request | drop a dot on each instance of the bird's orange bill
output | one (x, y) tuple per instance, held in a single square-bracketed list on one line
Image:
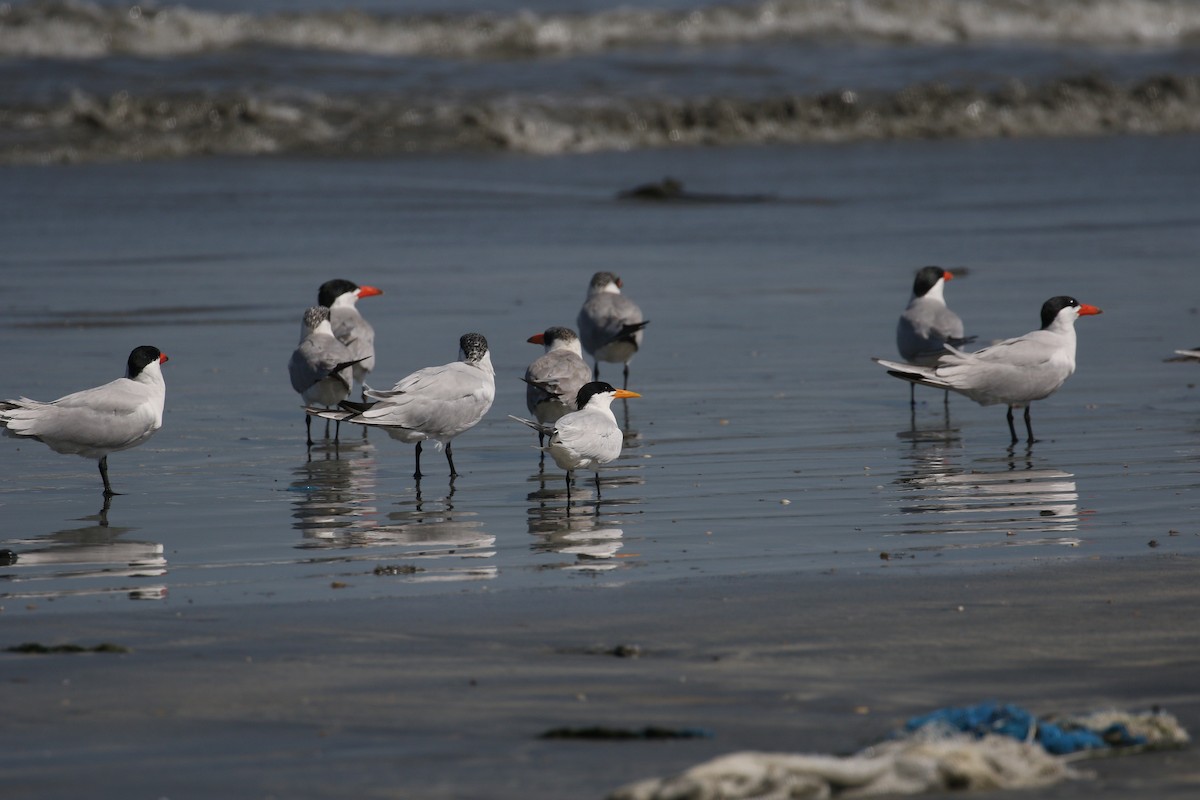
[(626, 393), (368, 291), (1085, 310), (162, 358), (948, 275), (537, 338)]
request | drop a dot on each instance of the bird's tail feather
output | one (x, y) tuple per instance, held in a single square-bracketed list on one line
[(537, 426)]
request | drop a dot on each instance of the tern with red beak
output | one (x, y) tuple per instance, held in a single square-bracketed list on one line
[(98, 421), (927, 324), (610, 324), (553, 381), (340, 297), (1015, 372)]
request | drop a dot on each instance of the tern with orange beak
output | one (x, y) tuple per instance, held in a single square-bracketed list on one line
[(95, 422), (340, 297), (588, 438), (1014, 372)]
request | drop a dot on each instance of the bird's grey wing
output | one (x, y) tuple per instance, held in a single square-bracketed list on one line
[(106, 417)]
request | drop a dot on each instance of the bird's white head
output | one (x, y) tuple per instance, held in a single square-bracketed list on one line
[(604, 282)]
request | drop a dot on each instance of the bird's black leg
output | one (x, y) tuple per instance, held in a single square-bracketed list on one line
[(1028, 427), (108, 490), (308, 429), (597, 485), (327, 428), (568, 487), (596, 370), (1011, 429), (450, 460), (912, 395), (625, 385), (363, 395), (337, 430), (946, 399), (417, 474)]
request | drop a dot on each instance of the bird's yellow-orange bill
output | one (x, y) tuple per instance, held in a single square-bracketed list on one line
[(626, 393)]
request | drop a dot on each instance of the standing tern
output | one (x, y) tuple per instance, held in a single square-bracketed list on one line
[(587, 438), (927, 325), (320, 367), (610, 324), (436, 403), (1013, 371), (555, 378), (97, 421), (340, 297)]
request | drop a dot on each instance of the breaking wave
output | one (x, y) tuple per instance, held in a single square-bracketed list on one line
[(87, 127), (77, 29)]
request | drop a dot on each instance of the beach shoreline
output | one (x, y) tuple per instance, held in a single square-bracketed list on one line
[(447, 696)]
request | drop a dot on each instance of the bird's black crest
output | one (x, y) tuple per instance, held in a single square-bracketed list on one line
[(314, 316), (332, 290), (589, 389), (139, 358), (927, 278), (1054, 305), (473, 347), (558, 334)]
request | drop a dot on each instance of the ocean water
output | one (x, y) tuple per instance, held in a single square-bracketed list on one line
[(188, 176)]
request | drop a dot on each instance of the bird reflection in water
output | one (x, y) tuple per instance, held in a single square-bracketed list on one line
[(335, 490), (433, 530), (84, 560), (1012, 496), (424, 539), (580, 529)]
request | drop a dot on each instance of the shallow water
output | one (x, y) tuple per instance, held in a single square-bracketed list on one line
[(766, 440)]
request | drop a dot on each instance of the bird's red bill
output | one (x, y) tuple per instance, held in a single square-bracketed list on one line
[(368, 291), (162, 358), (537, 338), (1085, 310)]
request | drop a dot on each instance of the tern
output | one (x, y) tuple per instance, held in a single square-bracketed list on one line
[(588, 438), (555, 378), (340, 297), (927, 325), (1015, 372), (610, 324), (435, 403), (97, 421), (320, 367)]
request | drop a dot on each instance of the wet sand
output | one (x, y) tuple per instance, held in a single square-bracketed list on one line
[(445, 697)]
